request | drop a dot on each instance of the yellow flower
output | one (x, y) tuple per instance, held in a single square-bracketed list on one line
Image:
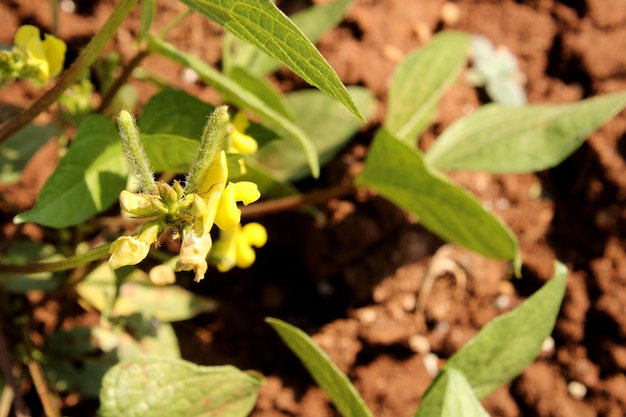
[(239, 141), (226, 215), (130, 250), (234, 247), (43, 58)]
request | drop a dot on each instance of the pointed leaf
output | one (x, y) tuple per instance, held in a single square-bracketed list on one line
[(521, 139), (419, 82), (334, 383), (240, 97), (87, 180), (156, 387), (261, 88), (450, 395), (509, 343), (313, 22), (262, 24), (398, 172), (329, 125)]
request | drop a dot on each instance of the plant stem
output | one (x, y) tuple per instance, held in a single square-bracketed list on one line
[(122, 79), (84, 61), (293, 202), (49, 399), (69, 263), (5, 364)]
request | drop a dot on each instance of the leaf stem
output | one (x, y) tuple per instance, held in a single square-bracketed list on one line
[(84, 61), (69, 263), (122, 79), (293, 202)]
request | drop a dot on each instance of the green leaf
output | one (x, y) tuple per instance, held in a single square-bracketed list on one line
[(137, 295), (450, 395), (329, 125), (398, 172), (313, 22), (521, 139), (148, 10), (19, 148), (419, 82), (262, 24), (175, 112), (261, 88), (87, 180), (510, 342), (325, 373), (154, 387), (169, 153), (240, 97)]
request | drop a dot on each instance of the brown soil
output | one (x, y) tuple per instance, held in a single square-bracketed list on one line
[(352, 282)]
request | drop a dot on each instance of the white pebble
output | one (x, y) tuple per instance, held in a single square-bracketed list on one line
[(189, 76), (431, 363), (68, 6), (577, 390)]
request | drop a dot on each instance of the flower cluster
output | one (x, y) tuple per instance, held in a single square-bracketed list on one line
[(208, 198), (32, 58)]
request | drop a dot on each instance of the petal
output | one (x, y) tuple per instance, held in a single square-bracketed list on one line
[(228, 214), (193, 253), (127, 250), (255, 234), (243, 143), (245, 254), (224, 253), (24, 34), (54, 49), (216, 174), (162, 275), (246, 192)]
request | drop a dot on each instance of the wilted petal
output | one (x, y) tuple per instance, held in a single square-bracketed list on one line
[(193, 253)]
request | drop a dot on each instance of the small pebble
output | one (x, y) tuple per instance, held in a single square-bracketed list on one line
[(419, 344), (577, 390), (450, 13), (431, 363), (503, 302), (548, 345), (189, 76), (68, 6)]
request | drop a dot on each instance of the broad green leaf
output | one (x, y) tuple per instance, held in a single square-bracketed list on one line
[(261, 88), (398, 172), (169, 153), (325, 373), (19, 148), (450, 395), (509, 343), (175, 112), (329, 125), (262, 24), (313, 22), (521, 139), (137, 295), (151, 387), (240, 97), (419, 82), (87, 180)]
